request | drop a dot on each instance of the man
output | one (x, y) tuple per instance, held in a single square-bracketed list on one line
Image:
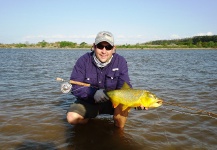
[(104, 70)]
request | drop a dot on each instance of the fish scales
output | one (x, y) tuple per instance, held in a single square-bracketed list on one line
[(129, 97), (126, 96)]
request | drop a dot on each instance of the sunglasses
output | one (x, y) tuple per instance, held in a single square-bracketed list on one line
[(107, 47)]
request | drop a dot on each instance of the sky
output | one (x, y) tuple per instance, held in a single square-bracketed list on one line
[(130, 21)]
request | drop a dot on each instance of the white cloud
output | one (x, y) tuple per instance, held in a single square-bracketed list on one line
[(175, 36), (55, 38), (204, 34), (139, 36), (123, 39), (119, 39)]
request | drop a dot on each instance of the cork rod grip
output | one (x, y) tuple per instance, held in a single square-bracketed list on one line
[(79, 83)]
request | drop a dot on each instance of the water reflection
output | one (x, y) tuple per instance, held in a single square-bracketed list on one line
[(100, 133), (32, 108), (33, 145)]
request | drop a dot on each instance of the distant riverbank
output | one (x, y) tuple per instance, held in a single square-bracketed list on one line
[(197, 42), (169, 48)]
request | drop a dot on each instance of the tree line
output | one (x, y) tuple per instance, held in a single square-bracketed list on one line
[(194, 42), (44, 44)]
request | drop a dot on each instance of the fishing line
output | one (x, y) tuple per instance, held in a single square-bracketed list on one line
[(66, 87), (188, 113), (200, 112), (164, 130)]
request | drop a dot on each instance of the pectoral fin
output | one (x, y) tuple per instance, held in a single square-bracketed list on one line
[(115, 104)]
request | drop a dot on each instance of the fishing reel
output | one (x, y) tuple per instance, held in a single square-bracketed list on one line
[(66, 87)]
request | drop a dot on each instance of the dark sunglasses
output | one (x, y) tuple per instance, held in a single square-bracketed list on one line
[(107, 47)]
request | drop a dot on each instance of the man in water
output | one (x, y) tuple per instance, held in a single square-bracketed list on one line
[(103, 69)]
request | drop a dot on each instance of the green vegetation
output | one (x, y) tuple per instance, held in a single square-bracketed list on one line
[(194, 42), (67, 44), (20, 45), (44, 44)]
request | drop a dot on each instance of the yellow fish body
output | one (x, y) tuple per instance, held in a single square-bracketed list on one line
[(133, 98)]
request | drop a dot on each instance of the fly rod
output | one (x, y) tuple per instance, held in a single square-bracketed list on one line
[(66, 87), (74, 82)]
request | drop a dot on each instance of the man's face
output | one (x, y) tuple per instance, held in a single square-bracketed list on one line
[(104, 51)]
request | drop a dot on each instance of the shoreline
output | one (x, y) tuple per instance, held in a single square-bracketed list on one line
[(47, 48)]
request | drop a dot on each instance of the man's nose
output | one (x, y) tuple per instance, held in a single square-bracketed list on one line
[(104, 50)]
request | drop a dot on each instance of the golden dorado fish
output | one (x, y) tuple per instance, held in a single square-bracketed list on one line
[(129, 97)]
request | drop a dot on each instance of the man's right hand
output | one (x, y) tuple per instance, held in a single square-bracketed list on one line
[(141, 108), (100, 96)]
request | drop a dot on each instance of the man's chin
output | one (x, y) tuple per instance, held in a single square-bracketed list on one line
[(103, 60)]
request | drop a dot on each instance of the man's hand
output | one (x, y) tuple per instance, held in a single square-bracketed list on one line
[(141, 108), (100, 96)]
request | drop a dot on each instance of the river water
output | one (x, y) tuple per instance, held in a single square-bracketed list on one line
[(32, 107)]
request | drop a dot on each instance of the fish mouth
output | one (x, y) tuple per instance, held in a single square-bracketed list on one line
[(160, 102), (157, 103)]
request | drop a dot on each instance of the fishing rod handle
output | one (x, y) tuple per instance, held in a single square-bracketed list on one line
[(59, 79), (79, 83)]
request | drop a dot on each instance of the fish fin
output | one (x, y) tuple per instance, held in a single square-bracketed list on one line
[(115, 104), (125, 86)]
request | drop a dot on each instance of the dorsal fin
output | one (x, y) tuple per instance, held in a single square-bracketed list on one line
[(125, 86)]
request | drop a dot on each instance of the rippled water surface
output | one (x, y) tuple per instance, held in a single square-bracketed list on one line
[(32, 108)]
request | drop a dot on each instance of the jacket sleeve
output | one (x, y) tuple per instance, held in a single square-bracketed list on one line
[(78, 74)]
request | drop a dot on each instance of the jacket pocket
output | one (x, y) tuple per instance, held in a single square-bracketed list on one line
[(91, 78), (111, 80)]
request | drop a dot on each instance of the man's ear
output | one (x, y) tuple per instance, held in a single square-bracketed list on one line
[(93, 47), (114, 49)]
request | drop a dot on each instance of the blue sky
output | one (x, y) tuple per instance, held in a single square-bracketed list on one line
[(131, 21)]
